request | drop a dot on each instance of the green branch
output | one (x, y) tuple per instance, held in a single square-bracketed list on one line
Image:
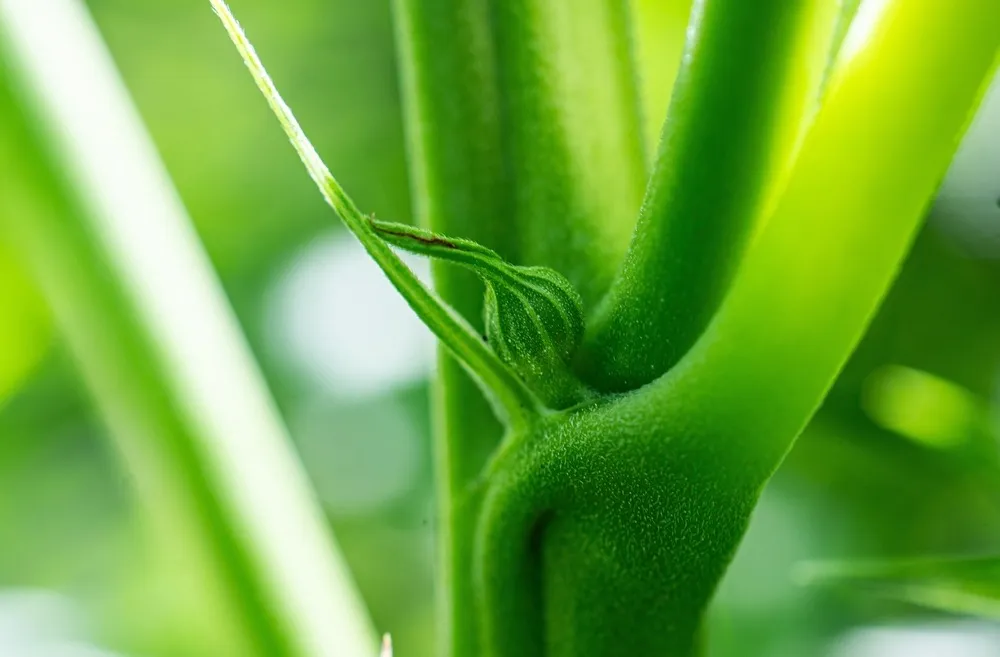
[(748, 77), (515, 403), (904, 87)]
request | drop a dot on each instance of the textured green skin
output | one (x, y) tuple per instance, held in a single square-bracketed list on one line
[(604, 533), (733, 118), (472, 107), (573, 138), (459, 188), (604, 529)]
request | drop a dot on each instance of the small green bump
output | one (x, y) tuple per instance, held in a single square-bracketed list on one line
[(534, 316)]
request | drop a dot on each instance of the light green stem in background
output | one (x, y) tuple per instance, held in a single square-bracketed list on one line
[(515, 402), (87, 201), (26, 328), (659, 27)]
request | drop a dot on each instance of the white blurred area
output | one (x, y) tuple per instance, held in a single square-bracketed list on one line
[(35, 623), (958, 639), (335, 324), (360, 456), (334, 318)]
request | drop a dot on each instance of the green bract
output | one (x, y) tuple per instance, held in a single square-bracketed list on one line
[(533, 316)]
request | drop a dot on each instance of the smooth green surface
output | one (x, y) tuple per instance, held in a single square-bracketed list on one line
[(26, 327), (192, 421)]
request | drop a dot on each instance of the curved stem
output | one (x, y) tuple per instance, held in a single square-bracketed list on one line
[(899, 98), (515, 402), (748, 77)]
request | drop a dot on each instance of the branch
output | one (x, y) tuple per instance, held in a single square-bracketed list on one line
[(748, 77), (900, 95)]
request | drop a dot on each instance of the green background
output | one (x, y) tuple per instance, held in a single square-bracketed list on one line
[(901, 461)]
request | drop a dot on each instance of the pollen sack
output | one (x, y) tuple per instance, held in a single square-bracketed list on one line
[(533, 315)]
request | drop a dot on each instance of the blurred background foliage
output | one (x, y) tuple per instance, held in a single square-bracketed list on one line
[(901, 461)]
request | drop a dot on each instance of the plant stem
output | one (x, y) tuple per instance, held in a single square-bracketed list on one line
[(747, 79), (460, 188), (573, 134), (900, 95), (89, 205), (517, 144), (514, 402)]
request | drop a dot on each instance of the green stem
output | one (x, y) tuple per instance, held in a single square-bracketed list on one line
[(573, 135), (747, 78), (89, 206), (899, 97), (460, 188), (515, 403)]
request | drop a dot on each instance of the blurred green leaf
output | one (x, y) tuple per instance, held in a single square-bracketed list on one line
[(25, 330), (966, 586)]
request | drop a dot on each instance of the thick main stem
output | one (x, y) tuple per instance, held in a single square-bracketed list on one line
[(460, 188), (648, 494), (525, 137)]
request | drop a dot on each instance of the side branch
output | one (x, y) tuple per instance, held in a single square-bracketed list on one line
[(865, 174), (748, 78)]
